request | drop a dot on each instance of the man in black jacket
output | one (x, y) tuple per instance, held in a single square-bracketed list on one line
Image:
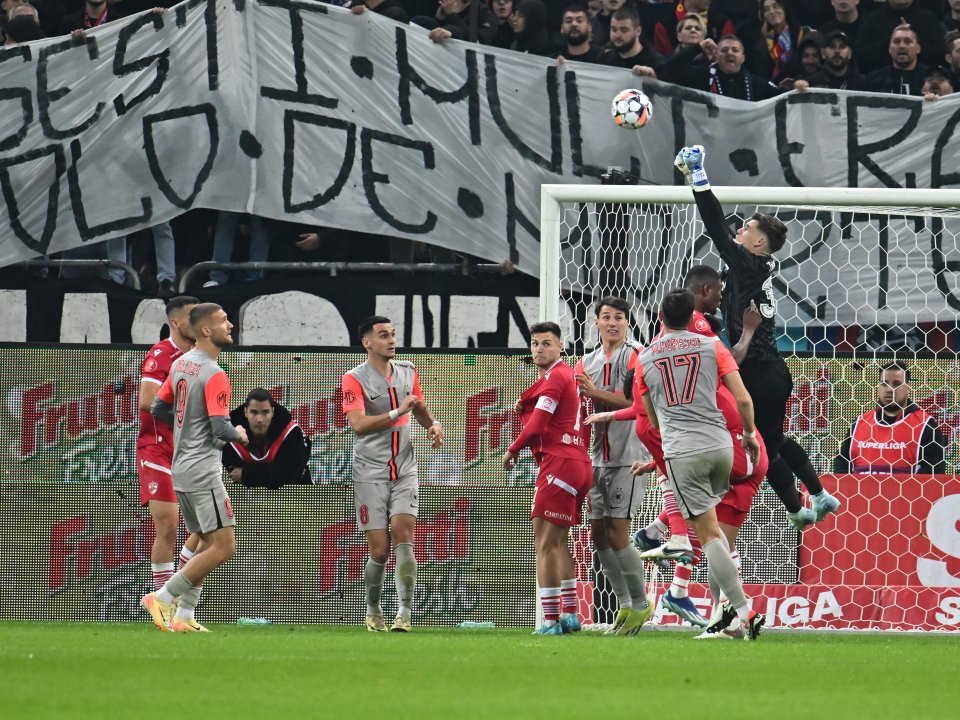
[(727, 76), (278, 451), (839, 70), (904, 75)]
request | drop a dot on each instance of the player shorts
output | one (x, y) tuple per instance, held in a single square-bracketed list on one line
[(615, 493), (700, 481), (735, 506), (204, 511), (769, 383), (377, 502), (562, 484), (153, 471)]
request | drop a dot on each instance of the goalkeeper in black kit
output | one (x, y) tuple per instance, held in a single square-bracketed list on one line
[(748, 256)]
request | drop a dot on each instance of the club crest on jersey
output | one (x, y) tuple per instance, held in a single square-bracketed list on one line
[(152, 487), (150, 365), (349, 397), (222, 400)]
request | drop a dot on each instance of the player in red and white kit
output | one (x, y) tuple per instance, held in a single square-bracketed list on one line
[(550, 410), (155, 445)]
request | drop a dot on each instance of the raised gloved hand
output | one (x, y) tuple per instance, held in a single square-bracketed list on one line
[(689, 161)]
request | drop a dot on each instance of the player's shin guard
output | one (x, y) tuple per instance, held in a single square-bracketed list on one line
[(611, 569), (373, 584), (781, 480), (725, 573), (799, 462), (405, 575), (631, 564)]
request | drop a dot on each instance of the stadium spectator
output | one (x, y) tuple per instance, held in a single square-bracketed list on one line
[(22, 25), (810, 55), (50, 13), (379, 396), (502, 10), (626, 48), (727, 76), (530, 34), (691, 32), (452, 20), (94, 13), (550, 412), (392, 9), (847, 18), (771, 41), (952, 56), (839, 69), (224, 238), (951, 18), (600, 25), (905, 73), (937, 83), (666, 33), (873, 37), (896, 436), (277, 453), (575, 35)]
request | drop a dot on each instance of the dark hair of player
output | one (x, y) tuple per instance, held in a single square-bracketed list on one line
[(677, 308), (201, 312), (896, 365), (698, 276), (612, 301), (545, 327), (178, 302), (259, 395), (366, 326), (773, 230)]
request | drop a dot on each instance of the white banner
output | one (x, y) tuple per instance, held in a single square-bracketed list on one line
[(301, 111)]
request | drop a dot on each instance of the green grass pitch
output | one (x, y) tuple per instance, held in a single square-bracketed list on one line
[(127, 670)]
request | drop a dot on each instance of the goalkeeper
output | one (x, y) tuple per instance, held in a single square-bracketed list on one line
[(749, 258)]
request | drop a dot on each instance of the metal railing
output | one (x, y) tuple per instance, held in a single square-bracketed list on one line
[(335, 268), (90, 262)]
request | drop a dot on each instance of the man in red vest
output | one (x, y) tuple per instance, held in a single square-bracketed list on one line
[(895, 437), (278, 451)]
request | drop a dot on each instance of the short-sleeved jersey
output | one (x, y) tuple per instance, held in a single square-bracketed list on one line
[(682, 371), (748, 277), (615, 444), (699, 324), (154, 369), (198, 389), (565, 435), (387, 455)]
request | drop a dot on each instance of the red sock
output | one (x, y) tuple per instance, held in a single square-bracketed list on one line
[(678, 526), (568, 596), (161, 573), (550, 600)]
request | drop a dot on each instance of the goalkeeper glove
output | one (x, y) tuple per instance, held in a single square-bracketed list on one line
[(689, 161)]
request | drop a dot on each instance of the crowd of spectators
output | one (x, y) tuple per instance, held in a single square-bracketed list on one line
[(746, 49)]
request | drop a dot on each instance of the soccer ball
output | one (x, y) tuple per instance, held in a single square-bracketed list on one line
[(631, 109)]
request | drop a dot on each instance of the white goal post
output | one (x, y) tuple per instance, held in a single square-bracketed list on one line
[(866, 276)]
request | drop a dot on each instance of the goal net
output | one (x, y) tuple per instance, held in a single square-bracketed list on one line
[(866, 277)]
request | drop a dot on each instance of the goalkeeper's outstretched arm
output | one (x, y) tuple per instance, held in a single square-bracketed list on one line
[(689, 161)]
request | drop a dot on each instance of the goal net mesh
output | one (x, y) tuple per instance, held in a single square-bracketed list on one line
[(854, 289)]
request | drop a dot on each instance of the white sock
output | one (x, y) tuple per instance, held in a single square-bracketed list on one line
[(656, 528)]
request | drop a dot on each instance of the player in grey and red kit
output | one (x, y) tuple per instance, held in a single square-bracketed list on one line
[(378, 398), (195, 399)]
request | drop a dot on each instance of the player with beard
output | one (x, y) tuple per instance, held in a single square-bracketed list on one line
[(195, 400), (896, 436), (575, 32), (550, 411)]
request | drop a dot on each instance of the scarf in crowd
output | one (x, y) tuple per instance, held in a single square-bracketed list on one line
[(682, 13), (717, 89), (780, 47)]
